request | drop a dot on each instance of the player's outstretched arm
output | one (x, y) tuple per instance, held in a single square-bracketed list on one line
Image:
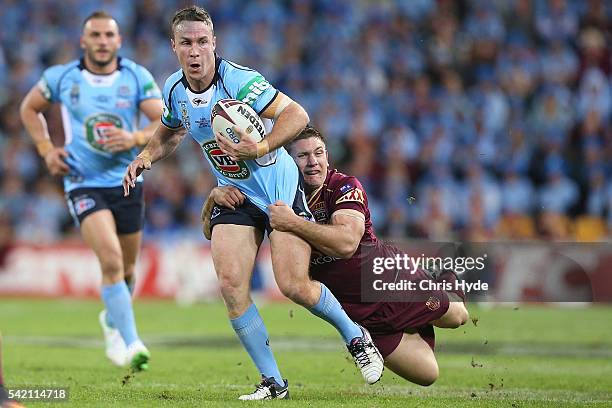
[(34, 122), (162, 143), (339, 239)]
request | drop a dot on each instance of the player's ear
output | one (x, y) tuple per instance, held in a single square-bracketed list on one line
[(214, 43), (82, 42), (173, 45), (120, 41)]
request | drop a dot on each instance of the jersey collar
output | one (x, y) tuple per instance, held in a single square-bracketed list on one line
[(83, 67), (214, 79)]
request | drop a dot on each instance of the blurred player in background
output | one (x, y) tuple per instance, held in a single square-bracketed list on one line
[(344, 245), (267, 174), (5, 401), (101, 96)]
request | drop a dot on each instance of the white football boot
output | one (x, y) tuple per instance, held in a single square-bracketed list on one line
[(367, 357), (138, 356), (116, 351), (267, 390)]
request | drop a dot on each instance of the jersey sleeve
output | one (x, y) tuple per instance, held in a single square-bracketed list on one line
[(148, 86), (170, 116), (350, 195), (250, 87), (49, 82)]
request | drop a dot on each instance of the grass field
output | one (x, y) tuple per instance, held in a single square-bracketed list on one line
[(508, 357)]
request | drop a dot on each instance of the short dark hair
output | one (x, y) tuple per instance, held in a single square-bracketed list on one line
[(308, 132), (97, 14), (193, 13)]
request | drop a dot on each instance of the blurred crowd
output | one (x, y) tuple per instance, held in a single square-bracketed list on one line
[(465, 119)]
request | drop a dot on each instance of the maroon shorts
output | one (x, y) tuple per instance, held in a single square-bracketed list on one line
[(388, 321)]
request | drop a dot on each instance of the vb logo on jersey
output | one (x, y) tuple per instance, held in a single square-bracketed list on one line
[(97, 127), (236, 170)]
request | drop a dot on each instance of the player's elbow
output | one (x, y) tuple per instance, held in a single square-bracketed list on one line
[(347, 250), (300, 116)]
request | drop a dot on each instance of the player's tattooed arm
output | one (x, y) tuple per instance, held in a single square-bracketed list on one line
[(340, 239)]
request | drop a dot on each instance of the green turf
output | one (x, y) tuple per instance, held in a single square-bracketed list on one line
[(508, 357)]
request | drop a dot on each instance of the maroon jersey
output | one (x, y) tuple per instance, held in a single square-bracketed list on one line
[(386, 319), (343, 276)]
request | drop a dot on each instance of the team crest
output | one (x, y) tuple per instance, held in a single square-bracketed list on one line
[(229, 168), (433, 303), (97, 127), (355, 195)]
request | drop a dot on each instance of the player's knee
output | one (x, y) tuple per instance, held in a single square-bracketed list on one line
[(297, 292), (112, 266), (429, 376)]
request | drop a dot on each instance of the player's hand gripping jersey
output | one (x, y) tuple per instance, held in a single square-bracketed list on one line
[(91, 104), (265, 180)]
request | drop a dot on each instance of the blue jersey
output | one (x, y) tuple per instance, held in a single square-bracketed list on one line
[(90, 105), (264, 180)]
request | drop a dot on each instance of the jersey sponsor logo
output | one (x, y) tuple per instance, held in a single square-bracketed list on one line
[(433, 303), (123, 104), (43, 85), (346, 188), (166, 114), (97, 127), (84, 204), (318, 210), (123, 91), (102, 98), (319, 259), (253, 89), (236, 170), (185, 115), (75, 93), (355, 195), (203, 122), (150, 90)]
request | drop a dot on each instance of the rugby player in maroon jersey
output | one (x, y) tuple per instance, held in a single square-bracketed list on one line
[(344, 246)]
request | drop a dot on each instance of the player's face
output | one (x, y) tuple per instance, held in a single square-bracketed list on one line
[(100, 41), (310, 155), (194, 45)]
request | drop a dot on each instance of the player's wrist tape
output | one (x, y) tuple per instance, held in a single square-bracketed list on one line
[(43, 147), (263, 148), (146, 157), (139, 138)]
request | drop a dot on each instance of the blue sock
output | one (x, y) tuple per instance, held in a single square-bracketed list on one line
[(118, 304), (130, 284), (253, 335), (328, 308)]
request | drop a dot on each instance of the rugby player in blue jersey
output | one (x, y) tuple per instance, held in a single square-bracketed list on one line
[(264, 172), (101, 97)]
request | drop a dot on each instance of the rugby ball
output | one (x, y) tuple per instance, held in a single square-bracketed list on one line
[(228, 113)]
